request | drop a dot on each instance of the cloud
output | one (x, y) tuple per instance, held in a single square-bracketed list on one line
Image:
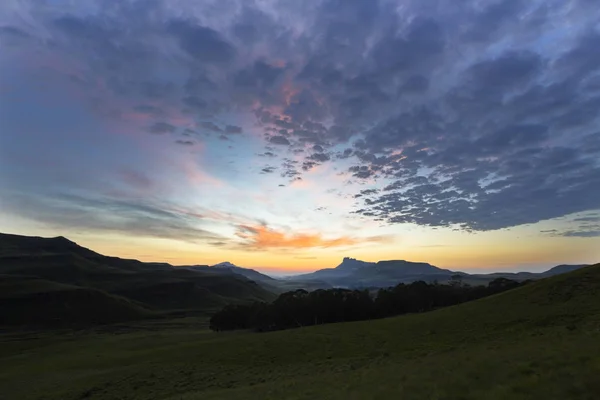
[(582, 234), (136, 179), (261, 237), (147, 109), (104, 214), (279, 140), (471, 115), (233, 129), (268, 170), (185, 142), (202, 43), (210, 126), (162, 127), (13, 32), (319, 157), (593, 218)]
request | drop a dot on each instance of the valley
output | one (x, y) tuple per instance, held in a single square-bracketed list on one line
[(538, 341)]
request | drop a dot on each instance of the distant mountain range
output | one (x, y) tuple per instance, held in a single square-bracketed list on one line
[(54, 281), (353, 273), (269, 283)]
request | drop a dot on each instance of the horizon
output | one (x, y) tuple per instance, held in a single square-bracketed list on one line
[(283, 137), (285, 273)]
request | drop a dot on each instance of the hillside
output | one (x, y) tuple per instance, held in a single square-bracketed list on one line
[(154, 286), (540, 341), (36, 303)]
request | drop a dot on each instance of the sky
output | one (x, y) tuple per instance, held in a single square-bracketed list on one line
[(284, 135)]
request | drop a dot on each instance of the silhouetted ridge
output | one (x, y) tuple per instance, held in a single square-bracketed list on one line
[(353, 264), (564, 268), (96, 282)]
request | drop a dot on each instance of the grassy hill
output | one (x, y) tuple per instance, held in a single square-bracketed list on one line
[(33, 303), (540, 341), (84, 274)]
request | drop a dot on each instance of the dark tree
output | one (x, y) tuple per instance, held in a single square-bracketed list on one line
[(301, 308)]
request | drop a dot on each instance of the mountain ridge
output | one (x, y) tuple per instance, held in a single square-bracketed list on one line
[(35, 265), (354, 273)]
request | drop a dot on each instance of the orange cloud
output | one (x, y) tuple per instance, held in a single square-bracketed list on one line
[(262, 237)]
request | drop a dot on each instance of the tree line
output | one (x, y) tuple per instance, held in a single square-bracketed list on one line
[(302, 308)]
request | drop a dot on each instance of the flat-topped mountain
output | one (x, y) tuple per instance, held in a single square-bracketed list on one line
[(356, 273)]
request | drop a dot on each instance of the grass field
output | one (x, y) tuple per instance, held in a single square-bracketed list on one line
[(540, 341)]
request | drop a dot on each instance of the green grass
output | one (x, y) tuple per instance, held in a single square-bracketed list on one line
[(540, 341), (33, 302)]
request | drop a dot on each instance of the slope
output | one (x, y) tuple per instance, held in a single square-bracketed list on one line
[(36, 303), (158, 286), (539, 341)]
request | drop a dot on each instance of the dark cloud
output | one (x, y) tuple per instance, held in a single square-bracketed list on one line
[(289, 169), (260, 75), (416, 84), (268, 170), (162, 127), (200, 42), (195, 103), (233, 129), (423, 40), (185, 142), (82, 28), (211, 126), (147, 109), (279, 140), (583, 234), (14, 32), (587, 219), (490, 20), (319, 157), (505, 72)]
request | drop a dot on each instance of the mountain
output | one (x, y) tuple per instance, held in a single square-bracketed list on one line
[(225, 264), (563, 269), (352, 264), (356, 273), (231, 269), (35, 264), (269, 283), (247, 272), (353, 273), (521, 276)]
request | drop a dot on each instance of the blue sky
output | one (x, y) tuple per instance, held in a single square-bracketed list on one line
[(286, 135)]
